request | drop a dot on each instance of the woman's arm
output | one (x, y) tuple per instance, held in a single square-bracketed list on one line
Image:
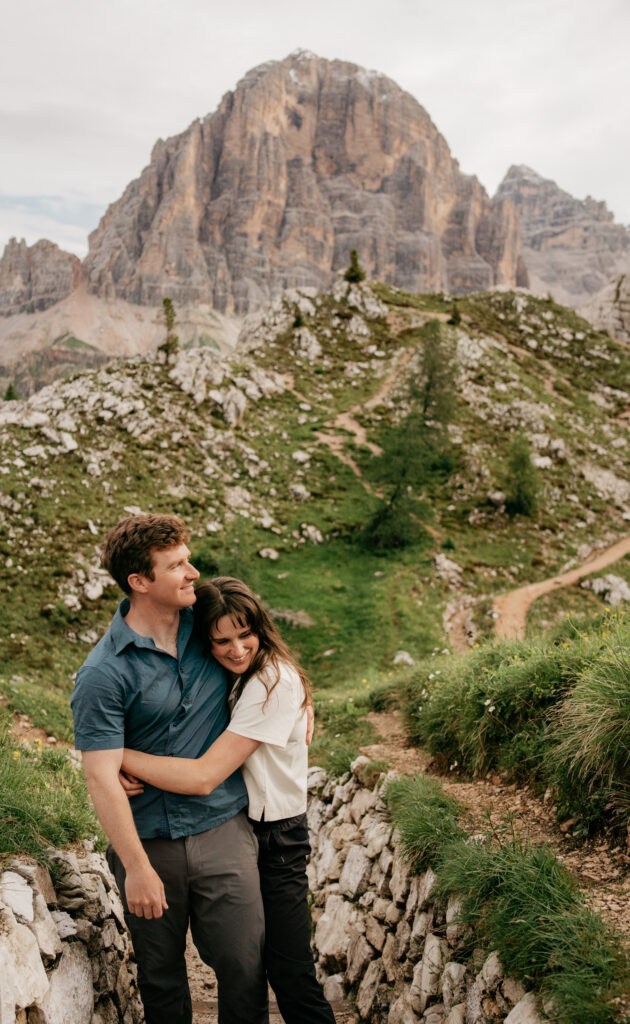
[(189, 774)]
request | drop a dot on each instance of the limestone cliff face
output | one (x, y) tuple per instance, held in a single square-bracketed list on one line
[(609, 309), (32, 278), (571, 247), (305, 160)]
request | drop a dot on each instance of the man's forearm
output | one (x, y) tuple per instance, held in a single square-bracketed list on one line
[(143, 886), (114, 813)]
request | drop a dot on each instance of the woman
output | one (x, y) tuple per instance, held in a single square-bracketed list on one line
[(267, 735)]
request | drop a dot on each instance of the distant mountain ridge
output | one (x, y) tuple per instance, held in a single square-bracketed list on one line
[(571, 247), (304, 160)]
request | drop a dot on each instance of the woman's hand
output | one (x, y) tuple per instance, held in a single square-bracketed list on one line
[(310, 724), (131, 785)]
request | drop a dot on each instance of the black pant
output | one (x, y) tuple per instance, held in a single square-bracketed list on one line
[(211, 884), (283, 848)]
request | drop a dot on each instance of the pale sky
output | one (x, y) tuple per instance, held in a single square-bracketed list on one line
[(86, 88)]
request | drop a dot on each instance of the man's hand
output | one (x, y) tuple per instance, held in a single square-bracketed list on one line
[(131, 785), (310, 724), (145, 894)]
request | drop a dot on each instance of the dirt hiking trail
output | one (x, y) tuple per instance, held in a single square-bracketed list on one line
[(511, 609)]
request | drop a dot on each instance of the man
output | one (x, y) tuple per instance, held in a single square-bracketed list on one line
[(178, 860)]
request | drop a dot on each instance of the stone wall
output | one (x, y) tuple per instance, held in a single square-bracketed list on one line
[(381, 938), (65, 953)]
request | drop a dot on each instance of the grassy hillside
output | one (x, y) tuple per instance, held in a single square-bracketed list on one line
[(140, 434)]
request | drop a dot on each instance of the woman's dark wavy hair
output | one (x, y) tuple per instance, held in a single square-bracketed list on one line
[(225, 595)]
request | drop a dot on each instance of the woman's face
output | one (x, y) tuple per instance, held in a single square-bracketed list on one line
[(234, 646)]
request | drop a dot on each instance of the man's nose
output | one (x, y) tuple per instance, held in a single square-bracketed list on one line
[(192, 572)]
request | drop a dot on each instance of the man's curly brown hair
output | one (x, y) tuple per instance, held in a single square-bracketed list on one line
[(128, 547)]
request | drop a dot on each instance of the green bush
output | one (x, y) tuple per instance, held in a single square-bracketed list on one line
[(522, 482), (473, 708)]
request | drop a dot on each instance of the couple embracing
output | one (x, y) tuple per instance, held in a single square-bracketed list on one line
[(188, 685)]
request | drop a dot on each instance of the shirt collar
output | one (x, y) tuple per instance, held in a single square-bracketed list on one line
[(123, 635)]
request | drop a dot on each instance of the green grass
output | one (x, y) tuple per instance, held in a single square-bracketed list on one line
[(425, 817), (518, 900), (341, 729), (43, 799), (551, 712)]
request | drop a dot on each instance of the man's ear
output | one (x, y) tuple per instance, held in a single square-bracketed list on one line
[(137, 582)]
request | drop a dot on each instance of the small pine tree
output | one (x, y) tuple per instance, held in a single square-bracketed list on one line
[(455, 317), (299, 321), (415, 450), (522, 483), (355, 271), (170, 345), (10, 394)]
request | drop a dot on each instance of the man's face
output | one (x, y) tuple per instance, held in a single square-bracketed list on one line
[(173, 578)]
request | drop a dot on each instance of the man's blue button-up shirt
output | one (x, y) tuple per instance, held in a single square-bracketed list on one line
[(129, 693)]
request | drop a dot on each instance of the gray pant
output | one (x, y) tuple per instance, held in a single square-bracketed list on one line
[(211, 881)]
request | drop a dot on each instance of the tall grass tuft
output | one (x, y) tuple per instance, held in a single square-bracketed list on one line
[(519, 900), (43, 799), (425, 817), (522, 902), (591, 756)]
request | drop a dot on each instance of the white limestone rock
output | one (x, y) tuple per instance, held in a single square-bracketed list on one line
[(400, 1011), (524, 1012), (377, 837), (448, 570), (299, 492), (400, 880), (368, 988), (234, 404), (44, 928), (403, 658), (362, 802), (8, 984), (70, 999), (427, 973), (20, 945), (333, 988), (356, 871), (612, 589), (333, 930), (360, 954), (17, 895), (491, 972), (453, 984)]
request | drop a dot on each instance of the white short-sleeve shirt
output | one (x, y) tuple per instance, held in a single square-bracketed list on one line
[(275, 774)]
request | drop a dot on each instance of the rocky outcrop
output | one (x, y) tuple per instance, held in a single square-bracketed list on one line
[(571, 247), (65, 953), (609, 309), (381, 935), (32, 278), (305, 160)]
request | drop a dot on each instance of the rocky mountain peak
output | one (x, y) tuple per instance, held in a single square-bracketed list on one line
[(571, 247), (306, 159), (34, 277)]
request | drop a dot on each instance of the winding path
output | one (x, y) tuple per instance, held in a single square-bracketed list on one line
[(511, 609)]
